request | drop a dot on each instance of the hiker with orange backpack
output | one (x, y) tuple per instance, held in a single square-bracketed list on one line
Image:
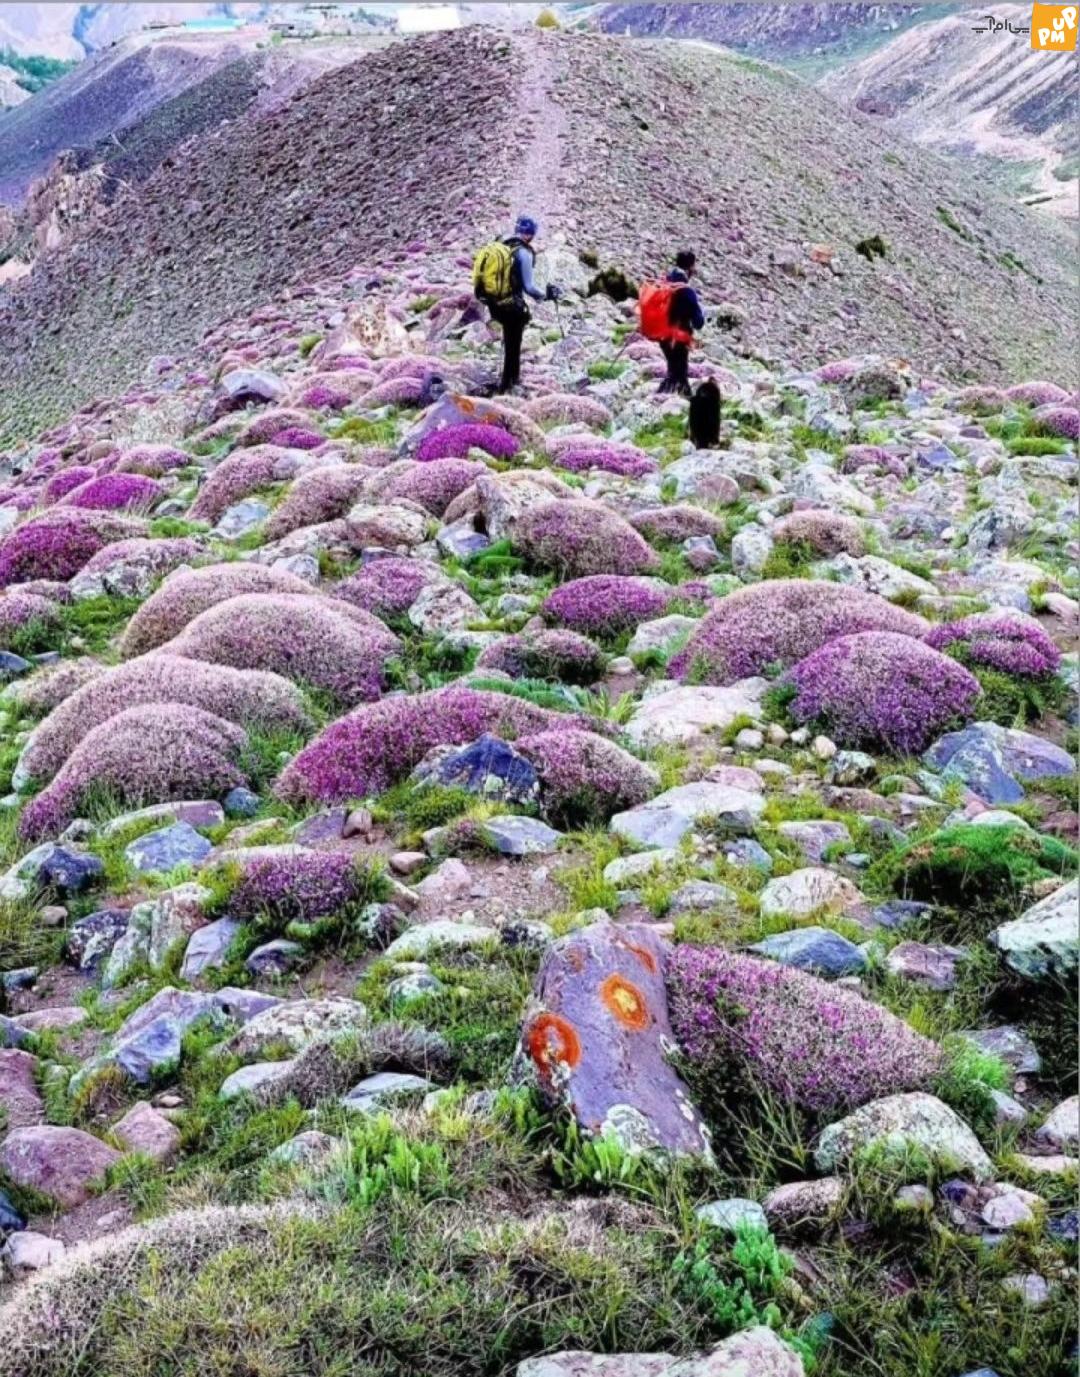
[(502, 279), (670, 312)]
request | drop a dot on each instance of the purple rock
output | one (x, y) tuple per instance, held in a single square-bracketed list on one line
[(595, 1035)]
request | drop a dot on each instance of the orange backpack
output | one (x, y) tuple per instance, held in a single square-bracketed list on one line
[(654, 312)]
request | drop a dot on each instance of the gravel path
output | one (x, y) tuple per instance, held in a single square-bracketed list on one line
[(541, 185)]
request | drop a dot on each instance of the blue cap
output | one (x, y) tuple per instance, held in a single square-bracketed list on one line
[(526, 225)]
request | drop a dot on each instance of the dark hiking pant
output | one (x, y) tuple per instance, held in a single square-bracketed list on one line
[(513, 317), (677, 356)]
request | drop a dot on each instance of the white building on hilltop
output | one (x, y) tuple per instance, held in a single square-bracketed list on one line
[(428, 18)]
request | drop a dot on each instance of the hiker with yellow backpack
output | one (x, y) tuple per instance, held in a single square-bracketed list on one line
[(669, 312), (502, 279)]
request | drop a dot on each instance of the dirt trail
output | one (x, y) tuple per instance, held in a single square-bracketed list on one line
[(541, 184)]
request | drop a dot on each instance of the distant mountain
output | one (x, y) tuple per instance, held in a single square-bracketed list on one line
[(777, 33), (985, 95), (823, 232)]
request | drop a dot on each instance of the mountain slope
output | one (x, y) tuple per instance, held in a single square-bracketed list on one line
[(657, 146), (951, 88)]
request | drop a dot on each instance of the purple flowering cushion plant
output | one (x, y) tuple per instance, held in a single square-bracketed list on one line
[(145, 755), (827, 533), (882, 691), (818, 1047), (58, 543), (585, 778), (240, 474), (561, 655), (187, 593), (577, 537), (606, 604), (67, 480), (433, 486), (678, 522), (116, 492), (274, 890), (1006, 641), (771, 625), (387, 587), (455, 441), (375, 746), (246, 696), (310, 639)]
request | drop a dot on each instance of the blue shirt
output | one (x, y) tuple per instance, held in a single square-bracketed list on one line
[(685, 307), (524, 260)]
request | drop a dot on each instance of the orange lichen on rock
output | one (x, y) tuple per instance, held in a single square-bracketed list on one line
[(625, 1002), (643, 955), (551, 1040)]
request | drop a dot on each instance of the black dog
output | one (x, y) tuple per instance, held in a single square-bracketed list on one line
[(705, 416)]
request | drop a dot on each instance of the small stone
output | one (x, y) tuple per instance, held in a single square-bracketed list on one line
[(808, 891), (207, 949), (415, 985), (144, 1130), (308, 1149), (1032, 1289), (1061, 1129), (168, 847), (925, 964), (274, 959), (823, 748), (732, 1214), (1059, 1164), (514, 836), (241, 803), (851, 768), (813, 949), (407, 862), (374, 1092), (914, 1200), (1007, 1210), (805, 1205), (700, 896), (418, 943), (247, 1080), (52, 915), (61, 1163), (30, 1252), (1011, 1045), (899, 1123), (1007, 1110), (358, 823), (750, 739), (746, 853)]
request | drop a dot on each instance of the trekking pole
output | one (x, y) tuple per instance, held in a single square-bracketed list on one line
[(558, 319)]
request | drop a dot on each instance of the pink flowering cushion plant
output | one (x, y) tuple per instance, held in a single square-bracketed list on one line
[(882, 691), (145, 755), (375, 746), (606, 604), (677, 523), (1063, 421), (454, 442), (297, 437), (825, 532), (153, 460), (856, 457), (274, 890), (820, 1048), (567, 408), (246, 696), (433, 486), (585, 778), (116, 492), (387, 587), (1006, 641), (622, 460), (239, 475), (23, 614), (308, 638), (577, 537), (267, 424), (67, 480), (321, 494), (58, 543), (772, 625), (561, 655), (187, 593), (1038, 393)]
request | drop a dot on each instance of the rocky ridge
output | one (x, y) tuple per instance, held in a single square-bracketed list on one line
[(876, 247), (474, 858)]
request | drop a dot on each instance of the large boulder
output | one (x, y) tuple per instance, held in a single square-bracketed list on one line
[(595, 1039), (64, 1164), (1045, 940), (666, 819), (915, 1123), (756, 1352)]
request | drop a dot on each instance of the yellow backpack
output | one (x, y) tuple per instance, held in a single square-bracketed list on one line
[(492, 270)]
